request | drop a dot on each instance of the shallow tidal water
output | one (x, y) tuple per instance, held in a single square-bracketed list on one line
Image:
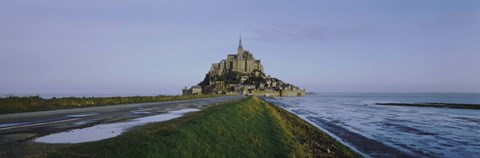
[(393, 131), (109, 130)]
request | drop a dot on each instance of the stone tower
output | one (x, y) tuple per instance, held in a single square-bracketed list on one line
[(240, 49)]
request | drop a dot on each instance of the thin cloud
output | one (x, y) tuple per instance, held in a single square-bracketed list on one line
[(453, 22), (315, 33)]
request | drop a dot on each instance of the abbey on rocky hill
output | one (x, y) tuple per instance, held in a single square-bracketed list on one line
[(241, 73)]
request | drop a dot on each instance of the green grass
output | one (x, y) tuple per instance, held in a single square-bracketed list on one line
[(15, 104), (436, 105), (246, 128)]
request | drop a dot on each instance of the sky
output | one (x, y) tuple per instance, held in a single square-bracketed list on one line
[(161, 46)]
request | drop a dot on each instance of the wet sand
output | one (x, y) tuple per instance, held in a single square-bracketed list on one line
[(366, 145), (390, 131)]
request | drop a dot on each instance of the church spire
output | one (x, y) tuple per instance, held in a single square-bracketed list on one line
[(240, 43)]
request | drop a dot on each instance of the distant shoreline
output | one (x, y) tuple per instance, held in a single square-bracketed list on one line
[(97, 95), (78, 95), (435, 105), (400, 93)]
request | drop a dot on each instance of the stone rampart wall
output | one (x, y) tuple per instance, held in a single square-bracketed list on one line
[(290, 93), (267, 93)]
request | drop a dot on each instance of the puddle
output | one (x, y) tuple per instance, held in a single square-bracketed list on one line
[(82, 122), (105, 131), (4, 125), (140, 112), (81, 115), (183, 111)]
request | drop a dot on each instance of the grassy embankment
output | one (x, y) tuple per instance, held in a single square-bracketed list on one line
[(14, 104), (247, 128), (436, 105)]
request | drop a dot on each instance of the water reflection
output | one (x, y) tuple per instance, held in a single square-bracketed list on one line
[(105, 131)]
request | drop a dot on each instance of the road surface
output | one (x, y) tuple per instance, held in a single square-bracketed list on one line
[(18, 129)]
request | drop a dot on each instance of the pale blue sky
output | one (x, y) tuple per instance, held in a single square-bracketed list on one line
[(160, 46)]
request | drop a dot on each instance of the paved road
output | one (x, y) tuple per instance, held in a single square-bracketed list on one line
[(21, 127)]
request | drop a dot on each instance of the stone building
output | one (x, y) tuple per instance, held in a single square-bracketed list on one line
[(241, 73), (242, 62), (194, 90)]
